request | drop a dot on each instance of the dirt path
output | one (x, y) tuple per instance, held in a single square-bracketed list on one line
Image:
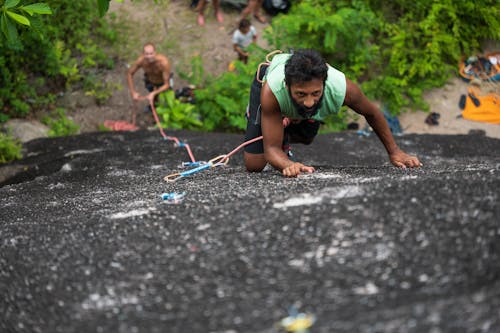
[(174, 30)]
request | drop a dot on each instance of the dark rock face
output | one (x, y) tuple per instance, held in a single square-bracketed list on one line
[(87, 244)]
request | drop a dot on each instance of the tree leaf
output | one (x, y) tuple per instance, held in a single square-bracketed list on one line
[(37, 8), (103, 6), (11, 3), (19, 18), (8, 29)]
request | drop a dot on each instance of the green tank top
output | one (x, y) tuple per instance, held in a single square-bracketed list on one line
[(334, 92)]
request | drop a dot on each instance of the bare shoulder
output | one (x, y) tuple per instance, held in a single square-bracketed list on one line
[(267, 99), (357, 101), (139, 62), (353, 93), (162, 59)]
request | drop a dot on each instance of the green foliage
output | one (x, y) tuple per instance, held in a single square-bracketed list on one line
[(175, 114), (335, 122), (59, 124), (340, 33), (103, 6), (101, 91), (395, 49), (10, 148), (102, 128), (93, 56), (13, 14), (196, 74), (53, 47)]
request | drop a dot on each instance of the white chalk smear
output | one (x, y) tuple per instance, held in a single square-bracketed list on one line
[(66, 167), (321, 175), (304, 199), (123, 215), (330, 195), (83, 151)]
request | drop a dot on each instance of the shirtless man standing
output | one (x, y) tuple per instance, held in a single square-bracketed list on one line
[(156, 69)]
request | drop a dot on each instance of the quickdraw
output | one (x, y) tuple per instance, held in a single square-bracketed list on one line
[(217, 161)]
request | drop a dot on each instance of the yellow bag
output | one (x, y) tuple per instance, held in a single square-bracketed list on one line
[(488, 109)]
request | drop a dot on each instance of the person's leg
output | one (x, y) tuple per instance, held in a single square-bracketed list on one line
[(256, 11), (218, 13), (242, 58), (248, 9), (149, 87), (254, 152), (201, 10)]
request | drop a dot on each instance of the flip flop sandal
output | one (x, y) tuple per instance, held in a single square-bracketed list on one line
[(474, 100), (462, 101)]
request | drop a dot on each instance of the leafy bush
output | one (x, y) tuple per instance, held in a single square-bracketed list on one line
[(59, 124), (101, 91), (53, 47), (10, 148), (395, 49), (175, 114), (222, 101)]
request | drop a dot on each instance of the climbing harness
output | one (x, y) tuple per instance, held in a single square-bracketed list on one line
[(266, 63)]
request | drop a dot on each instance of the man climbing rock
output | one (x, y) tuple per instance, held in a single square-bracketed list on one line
[(297, 92)]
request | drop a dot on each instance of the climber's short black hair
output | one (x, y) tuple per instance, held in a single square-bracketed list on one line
[(304, 65)]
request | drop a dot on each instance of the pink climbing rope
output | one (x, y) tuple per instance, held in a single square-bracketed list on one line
[(216, 161), (235, 150), (121, 125), (165, 136)]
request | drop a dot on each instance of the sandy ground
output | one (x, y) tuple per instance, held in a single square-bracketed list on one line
[(176, 34), (445, 102)]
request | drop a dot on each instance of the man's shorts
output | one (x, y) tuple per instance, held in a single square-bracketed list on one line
[(151, 86), (306, 129)]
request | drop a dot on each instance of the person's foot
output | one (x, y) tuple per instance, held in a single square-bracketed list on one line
[(219, 17), (201, 20), (260, 18)]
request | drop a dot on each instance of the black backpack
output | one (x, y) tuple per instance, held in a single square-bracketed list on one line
[(274, 7)]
